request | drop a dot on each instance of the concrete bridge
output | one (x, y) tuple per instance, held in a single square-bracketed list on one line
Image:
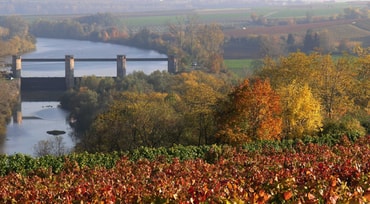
[(69, 81)]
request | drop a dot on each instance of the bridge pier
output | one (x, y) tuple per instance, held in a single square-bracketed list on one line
[(16, 66), (121, 66), (17, 69), (17, 113), (69, 70), (172, 65)]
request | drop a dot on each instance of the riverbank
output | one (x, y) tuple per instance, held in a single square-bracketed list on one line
[(9, 96)]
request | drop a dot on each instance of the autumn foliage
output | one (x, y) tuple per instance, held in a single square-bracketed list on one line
[(302, 114), (309, 173), (251, 113)]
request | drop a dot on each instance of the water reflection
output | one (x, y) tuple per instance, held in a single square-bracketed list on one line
[(36, 119)]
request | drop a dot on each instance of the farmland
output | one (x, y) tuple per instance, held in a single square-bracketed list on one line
[(339, 28)]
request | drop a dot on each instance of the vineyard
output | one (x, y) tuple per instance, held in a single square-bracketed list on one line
[(299, 173)]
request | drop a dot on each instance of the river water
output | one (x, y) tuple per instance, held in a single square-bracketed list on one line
[(40, 117)]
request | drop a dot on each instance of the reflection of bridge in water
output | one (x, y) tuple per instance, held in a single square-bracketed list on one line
[(51, 88)]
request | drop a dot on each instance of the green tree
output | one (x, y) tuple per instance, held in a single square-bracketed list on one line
[(291, 41), (161, 81), (83, 106), (311, 41), (135, 82), (102, 19), (133, 120)]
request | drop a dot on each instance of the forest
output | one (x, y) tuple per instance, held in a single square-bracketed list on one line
[(293, 97), (14, 36), (296, 130)]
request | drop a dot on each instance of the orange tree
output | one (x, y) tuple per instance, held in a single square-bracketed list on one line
[(251, 112)]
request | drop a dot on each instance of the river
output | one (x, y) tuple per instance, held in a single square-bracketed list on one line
[(40, 117)]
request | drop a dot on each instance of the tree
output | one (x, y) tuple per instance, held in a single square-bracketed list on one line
[(83, 106), (271, 46), (355, 13), (194, 43), (160, 80), (333, 82), (199, 92), (311, 41), (291, 42), (301, 111), (361, 92), (102, 19), (52, 146), (325, 43), (133, 120), (309, 16), (17, 26), (137, 82), (252, 112), (209, 52), (296, 66)]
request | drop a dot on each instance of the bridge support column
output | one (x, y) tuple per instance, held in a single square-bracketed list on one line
[(121, 66), (172, 65), (69, 68), (17, 113), (17, 66), (17, 69)]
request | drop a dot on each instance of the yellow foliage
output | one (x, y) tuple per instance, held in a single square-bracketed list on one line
[(340, 85), (301, 110)]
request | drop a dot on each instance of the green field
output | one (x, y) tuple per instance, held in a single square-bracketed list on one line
[(301, 12), (234, 15), (222, 16), (241, 67), (148, 20)]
